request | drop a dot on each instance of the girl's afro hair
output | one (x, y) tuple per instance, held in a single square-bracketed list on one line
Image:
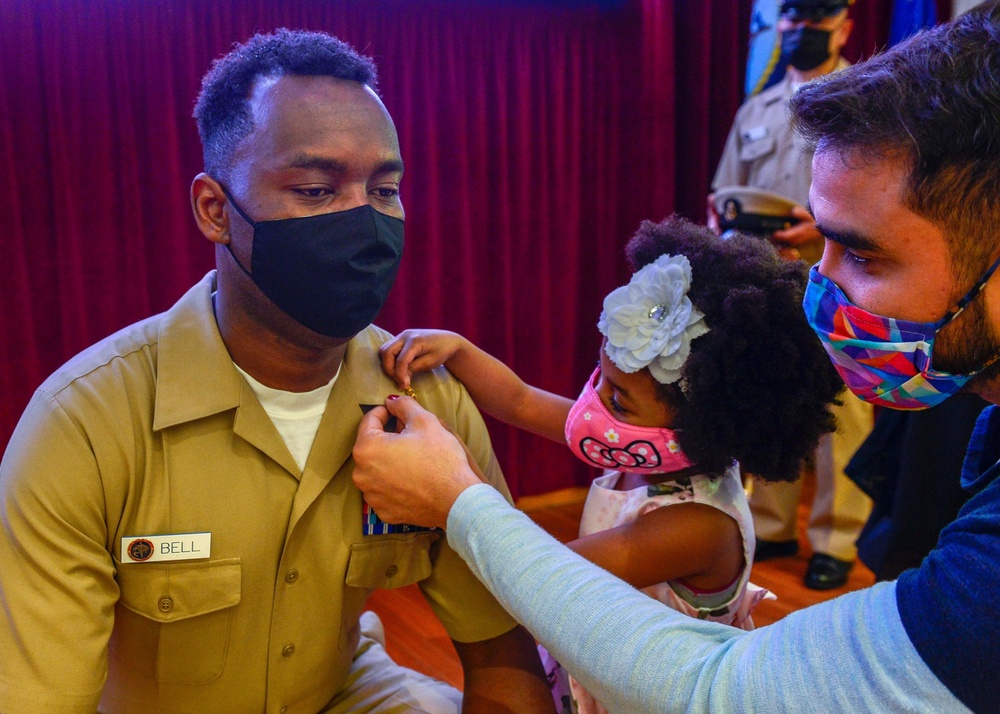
[(758, 386)]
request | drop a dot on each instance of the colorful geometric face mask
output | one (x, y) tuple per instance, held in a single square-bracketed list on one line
[(598, 439), (883, 360)]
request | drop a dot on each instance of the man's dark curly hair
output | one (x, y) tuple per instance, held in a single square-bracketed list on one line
[(222, 111), (758, 386)]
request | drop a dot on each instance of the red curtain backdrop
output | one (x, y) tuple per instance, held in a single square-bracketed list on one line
[(536, 136)]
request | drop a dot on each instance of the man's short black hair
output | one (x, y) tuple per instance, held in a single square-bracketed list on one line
[(933, 103), (222, 112)]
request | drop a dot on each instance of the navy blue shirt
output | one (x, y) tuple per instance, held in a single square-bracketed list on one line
[(950, 605)]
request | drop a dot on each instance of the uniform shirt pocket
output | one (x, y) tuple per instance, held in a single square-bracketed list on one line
[(390, 561), (756, 149), (188, 609)]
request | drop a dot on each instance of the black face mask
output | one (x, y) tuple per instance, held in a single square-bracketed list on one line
[(331, 272), (805, 48)]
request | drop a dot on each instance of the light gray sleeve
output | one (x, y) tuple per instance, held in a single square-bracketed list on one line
[(636, 655)]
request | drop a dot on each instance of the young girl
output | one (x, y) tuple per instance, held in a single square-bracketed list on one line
[(707, 364)]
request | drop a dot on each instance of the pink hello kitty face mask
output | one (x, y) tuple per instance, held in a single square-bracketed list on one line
[(597, 438)]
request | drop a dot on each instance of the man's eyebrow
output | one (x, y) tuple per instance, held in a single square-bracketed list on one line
[(389, 167), (848, 239), (310, 161)]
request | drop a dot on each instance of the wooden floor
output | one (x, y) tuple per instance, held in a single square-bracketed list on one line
[(416, 639)]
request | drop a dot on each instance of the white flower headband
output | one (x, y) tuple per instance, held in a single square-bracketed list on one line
[(650, 322)]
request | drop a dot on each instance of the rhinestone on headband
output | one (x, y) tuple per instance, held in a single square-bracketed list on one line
[(658, 312)]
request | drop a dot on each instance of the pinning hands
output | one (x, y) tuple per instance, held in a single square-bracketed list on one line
[(413, 351), (413, 476)]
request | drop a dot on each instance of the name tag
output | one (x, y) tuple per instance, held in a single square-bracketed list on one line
[(754, 134), (179, 546)]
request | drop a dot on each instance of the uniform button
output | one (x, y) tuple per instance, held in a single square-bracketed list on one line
[(288, 650), (391, 570), (165, 604), (291, 576)]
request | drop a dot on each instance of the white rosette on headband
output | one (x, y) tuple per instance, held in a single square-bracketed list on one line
[(650, 322)]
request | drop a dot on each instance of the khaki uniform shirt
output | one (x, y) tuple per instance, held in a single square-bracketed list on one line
[(762, 150), (153, 432)]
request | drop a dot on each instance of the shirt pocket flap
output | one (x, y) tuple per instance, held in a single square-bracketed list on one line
[(390, 562), (753, 150), (173, 592)]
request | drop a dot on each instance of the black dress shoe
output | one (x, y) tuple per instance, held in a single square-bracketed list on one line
[(768, 549), (826, 572)]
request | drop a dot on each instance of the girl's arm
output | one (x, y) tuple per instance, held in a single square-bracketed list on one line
[(698, 543), (493, 386)]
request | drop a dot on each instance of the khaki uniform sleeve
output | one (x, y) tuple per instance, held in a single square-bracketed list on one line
[(463, 604), (763, 151), (56, 577), (731, 171)]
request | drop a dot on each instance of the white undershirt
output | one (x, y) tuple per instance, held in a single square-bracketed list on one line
[(296, 415)]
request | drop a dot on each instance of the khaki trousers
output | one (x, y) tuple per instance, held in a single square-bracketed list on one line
[(839, 508)]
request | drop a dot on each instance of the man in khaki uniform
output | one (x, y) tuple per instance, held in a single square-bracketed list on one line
[(762, 151), (179, 529)]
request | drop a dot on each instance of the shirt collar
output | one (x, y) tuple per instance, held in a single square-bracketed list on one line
[(195, 374)]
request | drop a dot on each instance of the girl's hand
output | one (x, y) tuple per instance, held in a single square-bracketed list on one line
[(413, 351)]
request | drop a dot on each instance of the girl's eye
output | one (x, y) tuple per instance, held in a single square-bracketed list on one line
[(616, 407)]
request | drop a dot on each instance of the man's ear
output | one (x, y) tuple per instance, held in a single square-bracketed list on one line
[(207, 203)]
